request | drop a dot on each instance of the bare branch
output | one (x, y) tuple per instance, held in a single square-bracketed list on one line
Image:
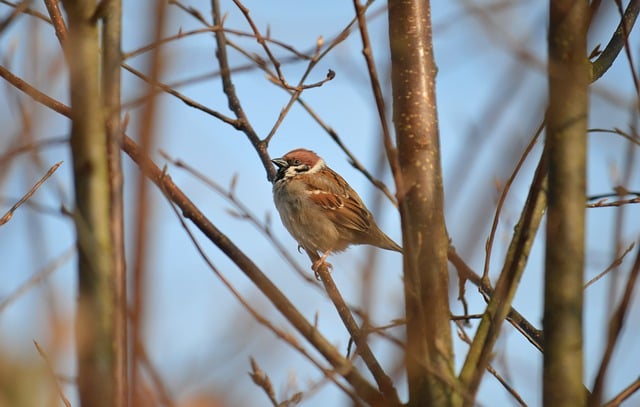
[(462, 334), (261, 379), (34, 93), (615, 327), (622, 202), (53, 8), (26, 10), (160, 386), (503, 197), (31, 146), (17, 10), (37, 278), (7, 216), (384, 382), (531, 333), (617, 262), (367, 52), (624, 394), (617, 41), (188, 101), (245, 213), (500, 303), (53, 374), (232, 96), (260, 39)]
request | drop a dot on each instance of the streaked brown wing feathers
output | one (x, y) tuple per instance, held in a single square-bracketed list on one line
[(342, 210), (343, 205)]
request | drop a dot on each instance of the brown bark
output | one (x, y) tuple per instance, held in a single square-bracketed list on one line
[(429, 354), (566, 149), (96, 300), (111, 62)]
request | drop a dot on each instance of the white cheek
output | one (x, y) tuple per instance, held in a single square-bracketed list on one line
[(290, 172), (317, 167)]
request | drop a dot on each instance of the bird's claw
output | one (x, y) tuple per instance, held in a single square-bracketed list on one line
[(319, 264)]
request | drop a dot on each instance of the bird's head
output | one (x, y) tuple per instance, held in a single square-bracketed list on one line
[(296, 162)]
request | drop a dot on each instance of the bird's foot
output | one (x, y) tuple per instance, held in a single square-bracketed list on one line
[(320, 264)]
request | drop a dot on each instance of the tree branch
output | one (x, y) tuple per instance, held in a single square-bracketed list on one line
[(617, 41), (342, 366)]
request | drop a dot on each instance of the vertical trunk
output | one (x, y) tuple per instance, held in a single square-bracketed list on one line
[(112, 59), (96, 301), (566, 149), (420, 195)]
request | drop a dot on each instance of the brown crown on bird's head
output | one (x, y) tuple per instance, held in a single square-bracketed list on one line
[(305, 156), (297, 161)]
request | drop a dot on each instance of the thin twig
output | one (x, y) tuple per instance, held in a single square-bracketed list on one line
[(520, 323), (191, 11), (34, 93), (380, 330), (38, 277), (632, 138), (624, 394), (297, 55), (188, 101), (337, 39), (198, 16), (245, 213), (53, 374), (296, 92), (260, 39), (7, 216), (615, 327), (612, 266), (17, 10), (353, 160), (53, 8), (462, 334), (180, 35), (384, 382), (618, 191), (232, 97), (466, 317), (367, 52), (261, 379), (621, 202), (617, 41), (30, 146), (503, 197), (160, 386), (27, 11), (627, 48)]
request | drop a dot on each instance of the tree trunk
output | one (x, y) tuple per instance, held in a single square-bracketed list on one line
[(566, 148), (97, 304), (429, 355)]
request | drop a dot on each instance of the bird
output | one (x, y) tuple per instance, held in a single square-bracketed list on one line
[(320, 209)]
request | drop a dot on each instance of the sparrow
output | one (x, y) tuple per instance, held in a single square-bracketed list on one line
[(320, 209)]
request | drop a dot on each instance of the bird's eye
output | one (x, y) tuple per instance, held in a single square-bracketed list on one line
[(297, 162)]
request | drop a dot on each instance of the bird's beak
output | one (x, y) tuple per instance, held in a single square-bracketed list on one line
[(280, 162)]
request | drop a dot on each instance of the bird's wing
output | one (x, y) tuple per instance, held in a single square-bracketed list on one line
[(343, 206)]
